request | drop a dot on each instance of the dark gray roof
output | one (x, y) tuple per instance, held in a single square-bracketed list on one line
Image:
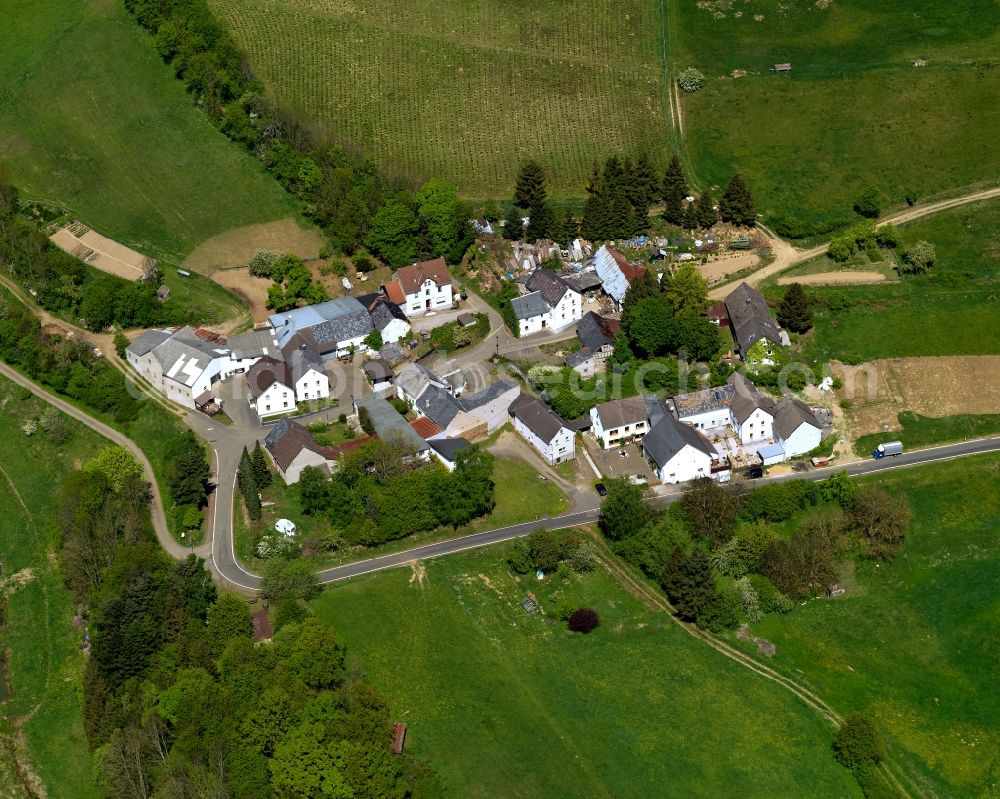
[(437, 404), (487, 395), (254, 344), (537, 417), (750, 318), (790, 413), (388, 423), (301, 355), (549, 285), (746, 398), (378, 370), (393, 353), (448, 448), (263, 374), (287, 439), (383, 311), (656, 408), (146, 341), (595, 331), (528, 306), (588, 280), (668, 437), (328, 323)]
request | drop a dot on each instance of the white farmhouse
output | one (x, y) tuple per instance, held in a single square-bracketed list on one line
[(333, 328), (543, 429), (677, 452), (387, 317), (550, 303), (421, 287), (277, 386), (752, 413), (795, 427), (182, 365), (619, 421)]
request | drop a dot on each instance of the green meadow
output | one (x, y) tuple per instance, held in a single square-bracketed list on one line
[(46, 665), (92, 120), (506, 703), (914, 641)]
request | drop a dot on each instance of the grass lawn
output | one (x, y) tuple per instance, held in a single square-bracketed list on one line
[(925, 431), (465, 90), (950, 311), (520, 496), (93, 120), (46, 665), (503, 703), (915, 643), (853, 111)]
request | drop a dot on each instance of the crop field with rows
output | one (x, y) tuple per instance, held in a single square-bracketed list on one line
[(465, 90)]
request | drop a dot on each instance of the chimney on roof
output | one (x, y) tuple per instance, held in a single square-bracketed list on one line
[(747, 300)]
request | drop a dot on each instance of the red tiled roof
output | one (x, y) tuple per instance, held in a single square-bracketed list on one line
[(426, 427), (412, 277), (631, 271), (395, 292)]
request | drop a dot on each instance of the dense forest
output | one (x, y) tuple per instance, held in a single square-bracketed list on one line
[(178, 699)]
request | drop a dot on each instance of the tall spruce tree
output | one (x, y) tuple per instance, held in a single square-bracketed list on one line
[(513, 228), (690, 584), (795, 311), (529, 191), (248, 486), (736, 205), (261, 472), (705, 210), (675, 189), (540, 222)]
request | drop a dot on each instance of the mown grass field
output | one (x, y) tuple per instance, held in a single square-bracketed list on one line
[(925, 431), (46, 665), (950, 311), (914, 643), (92, 119), (853, 111), (503, 703), (465, 90)]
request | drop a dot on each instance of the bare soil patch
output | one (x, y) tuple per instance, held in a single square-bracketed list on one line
[(252, 290), (720, 267), (843, 278), (100, 252), (940, 386), (236, 247)]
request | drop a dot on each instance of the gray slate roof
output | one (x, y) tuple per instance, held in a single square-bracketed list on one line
[(414, 378), (301, 355), (595, 331), (328, 323), (448, 448), (183, 356), (146, 341), (548, 284), (537, 417), (254, 344), (790, 413), (750, 318), (668, 437), (588, 280), (382, 310), (487, 395), (528, 306), (389, 424), (746, 398), (438, 405)]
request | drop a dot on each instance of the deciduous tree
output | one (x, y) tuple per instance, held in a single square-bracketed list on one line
[(623, 513)]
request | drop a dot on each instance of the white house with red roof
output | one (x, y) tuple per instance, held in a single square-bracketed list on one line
[(420, 288)]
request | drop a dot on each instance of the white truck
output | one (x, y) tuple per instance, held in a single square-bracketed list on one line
[(893, 448)]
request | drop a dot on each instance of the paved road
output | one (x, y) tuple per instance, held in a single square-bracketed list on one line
[(160, 527), (787, 256)]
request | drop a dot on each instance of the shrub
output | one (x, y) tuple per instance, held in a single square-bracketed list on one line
[(918, 258), (365, 420), (121, 342), (581, 558), (518, 557), (262, 263), (749, 600), (858, 742), (363, 262), (690, 80), (342, 418), (583, 620), (869, 203), (874, 785)]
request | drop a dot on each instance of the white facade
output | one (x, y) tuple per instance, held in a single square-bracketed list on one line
[(707, 420), (561, 448), (617, 435), (395, 330), (568, 311), (428, 297), (276, 398), (306, 457), (803, 439), (688, 464), (312, 385), (184, 380), (757, 427)]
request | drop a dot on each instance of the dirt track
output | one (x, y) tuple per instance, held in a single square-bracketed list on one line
[(787, 256), (844, 278)]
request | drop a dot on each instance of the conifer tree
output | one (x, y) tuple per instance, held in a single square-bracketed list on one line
[(704, 210), (642, 191), (513, 229), (675, 189), (539, 222), (795, 311), (736, 205), (529, 191), (248, 486), (261, 472)]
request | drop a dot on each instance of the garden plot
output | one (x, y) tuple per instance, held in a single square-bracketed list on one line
[(101, 252)]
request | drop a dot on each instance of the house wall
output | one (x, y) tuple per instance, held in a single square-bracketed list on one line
[(804, 439), (688, 464), (495, 412), (535, 324), (237, 365), (561, 448), (312, 385), (306, 457), (394, 331), (709, 420), (277, 398), (566, 312), (757, 427), (616, 435), (148, 367), (439, 298)]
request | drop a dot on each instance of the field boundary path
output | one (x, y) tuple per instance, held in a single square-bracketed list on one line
[(786, 256)]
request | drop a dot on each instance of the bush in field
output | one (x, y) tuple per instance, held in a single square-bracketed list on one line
[(262, 262), (858, 743), (691, 80), (869, 202), (918, 258), (583, 620)]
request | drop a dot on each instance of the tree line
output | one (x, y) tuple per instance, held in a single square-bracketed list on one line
[(179, 702), (378, 494), (343, 193), (66, 286), (620, 194), (720, 557)]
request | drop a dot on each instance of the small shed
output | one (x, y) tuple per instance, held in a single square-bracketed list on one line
[(398, 738), (467, 319), (163, 293), (378, 372), (782, 67), (771, 454), (203, 400)]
